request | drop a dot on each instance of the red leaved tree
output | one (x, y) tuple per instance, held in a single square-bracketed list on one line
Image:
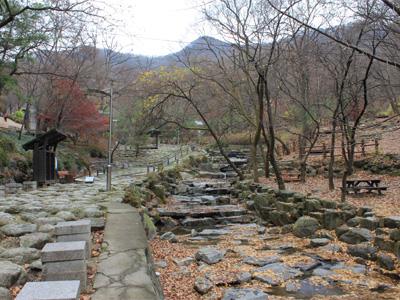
[(69, 110)]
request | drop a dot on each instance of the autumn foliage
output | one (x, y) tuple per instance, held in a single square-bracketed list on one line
[(69, 110)]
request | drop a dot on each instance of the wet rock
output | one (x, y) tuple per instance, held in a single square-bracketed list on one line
[(9, 273), (319, 242), (392, 221), (35, 240), (341, 230), (66, 215), (308, 288), (354, 222), (18, 229), (168, 222), (334, 248), (279, 218), (311, 205), (395, 235), (169, 236), (244, 294), (397, 249), (5, 294), (365, 251), (21, 255), (286, 228), (184, 261), (356, 236), (305, 226), (370, 223), (332, 219), (322, 272), (243, 277), (6, 218), (357, 268), (385, 261), (223, 200), (213, 232), (260, 262), (210, 255), (384, 243), (198, 222), (361, 211), (275, 274), (307, 264), (203, 285)]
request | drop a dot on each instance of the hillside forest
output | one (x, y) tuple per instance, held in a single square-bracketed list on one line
[(282, 77)]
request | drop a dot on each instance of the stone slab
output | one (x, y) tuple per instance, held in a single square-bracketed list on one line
[(72, 227), (80, 276), (54, 290), (64, 266), (64, 251), (78, 237)]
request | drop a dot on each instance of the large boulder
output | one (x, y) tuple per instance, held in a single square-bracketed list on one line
[(18, 229), (332, 219), (364, 250), (21, 255), (244, 294), (210, 255), (35, 240), (392, 222), (275, 274), (6, 218), (356, 236), (9, 273), (305, 226), (203, 285)]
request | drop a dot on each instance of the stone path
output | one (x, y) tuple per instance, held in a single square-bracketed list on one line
[(124, 270)]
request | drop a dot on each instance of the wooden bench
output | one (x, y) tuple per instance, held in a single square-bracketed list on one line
[(291, 177), (367, 185)]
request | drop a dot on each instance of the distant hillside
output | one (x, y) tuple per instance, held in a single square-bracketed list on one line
[(202, 47)]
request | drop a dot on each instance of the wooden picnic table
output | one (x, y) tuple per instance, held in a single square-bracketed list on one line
[(369, 185)]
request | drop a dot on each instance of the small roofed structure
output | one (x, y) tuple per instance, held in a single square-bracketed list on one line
[(44, 159), (156, 134)]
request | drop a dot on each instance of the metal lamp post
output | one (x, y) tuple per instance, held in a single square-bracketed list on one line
[(109, 163)]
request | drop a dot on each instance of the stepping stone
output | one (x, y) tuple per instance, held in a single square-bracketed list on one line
[(319, 242), (210, 255), (244, 294), (276, 273), (65, 261), (75, 231), (63, 251), (261, 262), (50, 290)]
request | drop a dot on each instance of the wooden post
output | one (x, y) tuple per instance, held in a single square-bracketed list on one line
[(324, 150), (376, 146), (363, 147)]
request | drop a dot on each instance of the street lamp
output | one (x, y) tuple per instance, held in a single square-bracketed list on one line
[(109, 162)]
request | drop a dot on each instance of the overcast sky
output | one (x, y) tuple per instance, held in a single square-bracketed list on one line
[(154, 27)]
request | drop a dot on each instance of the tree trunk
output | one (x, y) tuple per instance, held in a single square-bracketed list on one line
[(332, 156)]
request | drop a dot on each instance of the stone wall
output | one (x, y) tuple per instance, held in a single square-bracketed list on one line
[(352, 225)]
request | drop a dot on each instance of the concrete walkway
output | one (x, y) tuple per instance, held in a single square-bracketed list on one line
[(125, 270)]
